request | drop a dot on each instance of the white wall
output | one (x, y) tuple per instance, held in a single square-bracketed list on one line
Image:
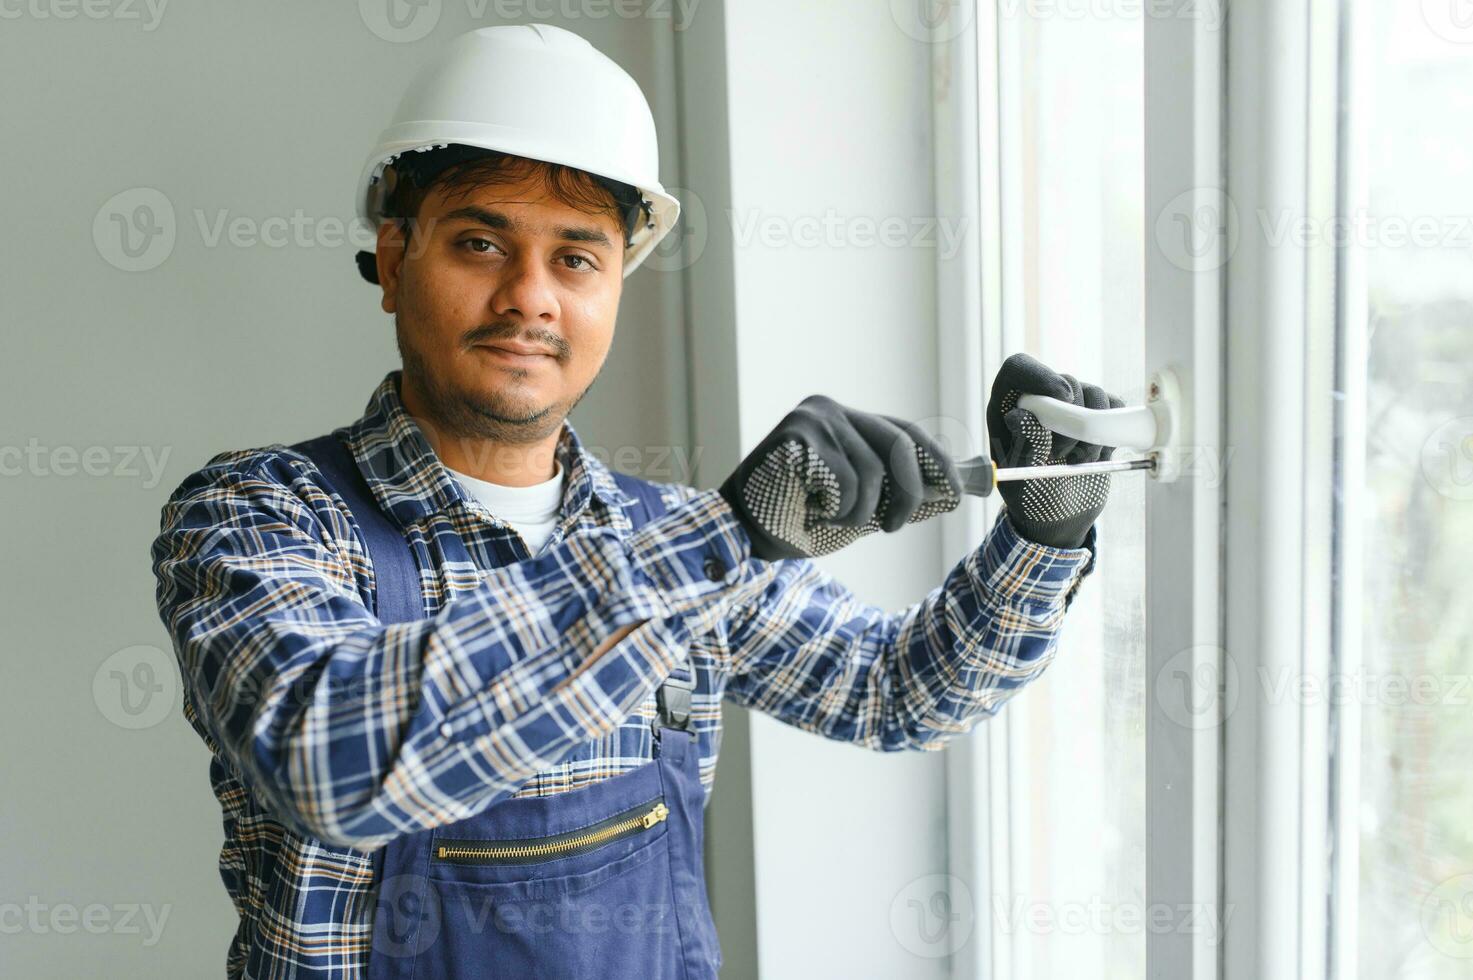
[(829, 118)]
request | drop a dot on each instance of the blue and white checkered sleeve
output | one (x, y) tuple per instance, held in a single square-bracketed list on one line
[(808, 652), (359, 731)]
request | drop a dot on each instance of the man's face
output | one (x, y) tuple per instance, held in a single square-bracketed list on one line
[(506, 264)]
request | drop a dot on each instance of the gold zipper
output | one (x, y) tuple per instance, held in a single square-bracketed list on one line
[(541, 848)]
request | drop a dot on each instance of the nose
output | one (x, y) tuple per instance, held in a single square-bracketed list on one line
[(526, 287)]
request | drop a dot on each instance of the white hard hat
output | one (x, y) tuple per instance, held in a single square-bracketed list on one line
[(536, 91)]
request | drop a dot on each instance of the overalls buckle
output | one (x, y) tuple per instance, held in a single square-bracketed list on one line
[(673, 699)]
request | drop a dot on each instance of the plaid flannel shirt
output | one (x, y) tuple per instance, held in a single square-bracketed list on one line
[(332, 733)]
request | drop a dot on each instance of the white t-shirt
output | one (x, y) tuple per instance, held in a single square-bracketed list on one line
[(532, 511)]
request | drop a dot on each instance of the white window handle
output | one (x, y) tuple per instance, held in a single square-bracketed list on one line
[(1133, 427), (1151, 428)]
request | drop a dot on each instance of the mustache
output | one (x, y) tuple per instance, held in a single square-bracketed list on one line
[(510, 331)]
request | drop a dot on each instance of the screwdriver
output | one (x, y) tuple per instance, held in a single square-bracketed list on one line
[(1153, 425), (981, 475)]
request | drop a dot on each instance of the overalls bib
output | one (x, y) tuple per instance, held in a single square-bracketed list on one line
[(605, 881)]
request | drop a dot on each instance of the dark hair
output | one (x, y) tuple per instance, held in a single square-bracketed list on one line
[(464, 168)]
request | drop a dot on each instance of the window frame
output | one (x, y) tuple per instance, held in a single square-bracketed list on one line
[(1186, 324), (1352, 370), (1250, 811), (1284, 158), (968, 190)]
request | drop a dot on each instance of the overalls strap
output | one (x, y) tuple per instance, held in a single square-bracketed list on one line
[(397, 595)]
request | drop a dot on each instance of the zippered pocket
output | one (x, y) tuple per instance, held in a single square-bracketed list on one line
[(530, 850)]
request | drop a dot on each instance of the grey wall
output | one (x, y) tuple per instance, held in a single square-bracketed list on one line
[(256, 111)]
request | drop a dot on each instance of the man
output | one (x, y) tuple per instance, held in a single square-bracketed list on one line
[(461, 681)]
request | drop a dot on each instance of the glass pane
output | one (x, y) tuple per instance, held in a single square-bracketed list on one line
[(1072, 110), (1414, 506)]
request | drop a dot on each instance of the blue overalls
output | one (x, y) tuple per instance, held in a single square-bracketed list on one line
[(602, 881)]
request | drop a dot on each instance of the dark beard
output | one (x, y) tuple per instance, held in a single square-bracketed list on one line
[(467, 416)]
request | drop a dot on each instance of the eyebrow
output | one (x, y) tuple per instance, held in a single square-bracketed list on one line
[(501, 222)]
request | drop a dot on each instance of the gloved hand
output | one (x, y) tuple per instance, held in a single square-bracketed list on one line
[(828, 475), (1060, 511)]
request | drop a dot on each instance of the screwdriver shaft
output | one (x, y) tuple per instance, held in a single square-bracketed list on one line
[(1073, 469), (980, 476)]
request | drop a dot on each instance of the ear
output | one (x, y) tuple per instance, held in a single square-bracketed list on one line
[(390, 259)]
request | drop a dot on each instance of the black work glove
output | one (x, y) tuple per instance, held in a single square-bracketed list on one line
[(829, 475), (1060, 511)]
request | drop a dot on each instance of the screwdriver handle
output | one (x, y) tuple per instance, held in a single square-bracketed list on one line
[(979, 475)]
